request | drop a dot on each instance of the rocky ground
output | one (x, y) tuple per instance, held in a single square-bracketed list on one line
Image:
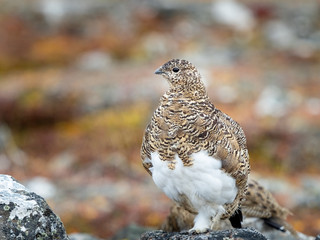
[(26, 215), (77, 89)]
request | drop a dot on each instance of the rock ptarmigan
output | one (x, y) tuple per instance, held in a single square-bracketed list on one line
[(196, 154)]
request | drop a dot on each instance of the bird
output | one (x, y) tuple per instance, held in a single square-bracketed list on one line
[(258, 203), (196, 154)]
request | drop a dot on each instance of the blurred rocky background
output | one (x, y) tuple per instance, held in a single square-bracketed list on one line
[(77, 89)]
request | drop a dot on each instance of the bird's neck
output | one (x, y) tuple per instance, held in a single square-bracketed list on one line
[(193, 91), (186, 93)]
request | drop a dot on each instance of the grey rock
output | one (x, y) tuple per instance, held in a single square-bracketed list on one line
[(25, 215), (239, 234)]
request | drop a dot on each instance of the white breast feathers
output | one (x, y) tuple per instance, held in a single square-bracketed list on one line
[(203, 183)]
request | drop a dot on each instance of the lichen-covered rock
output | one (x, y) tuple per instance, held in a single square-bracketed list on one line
[(232, 234), (25, 215)]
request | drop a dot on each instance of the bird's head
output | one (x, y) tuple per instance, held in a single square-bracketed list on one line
[(182, 76)]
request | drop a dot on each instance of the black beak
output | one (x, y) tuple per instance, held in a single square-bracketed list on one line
[(158, 71)]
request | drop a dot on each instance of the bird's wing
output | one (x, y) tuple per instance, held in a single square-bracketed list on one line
[(235, 128), (145, 151), (236, 143)]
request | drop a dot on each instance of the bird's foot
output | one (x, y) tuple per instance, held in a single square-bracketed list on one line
[(198, 230), (201, 222), (185, 232)]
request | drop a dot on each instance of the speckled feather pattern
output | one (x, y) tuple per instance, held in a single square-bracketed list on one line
[(260, 203), (186, 122)]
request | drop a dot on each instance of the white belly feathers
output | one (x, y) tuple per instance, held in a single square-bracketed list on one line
[(203, 182)]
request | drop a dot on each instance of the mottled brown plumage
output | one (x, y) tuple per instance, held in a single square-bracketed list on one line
[(186, 122), (258, 203)]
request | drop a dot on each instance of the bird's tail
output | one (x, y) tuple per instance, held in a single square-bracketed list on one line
[(236, 219)]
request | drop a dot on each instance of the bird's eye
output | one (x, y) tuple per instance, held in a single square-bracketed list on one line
[(175, 69)]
